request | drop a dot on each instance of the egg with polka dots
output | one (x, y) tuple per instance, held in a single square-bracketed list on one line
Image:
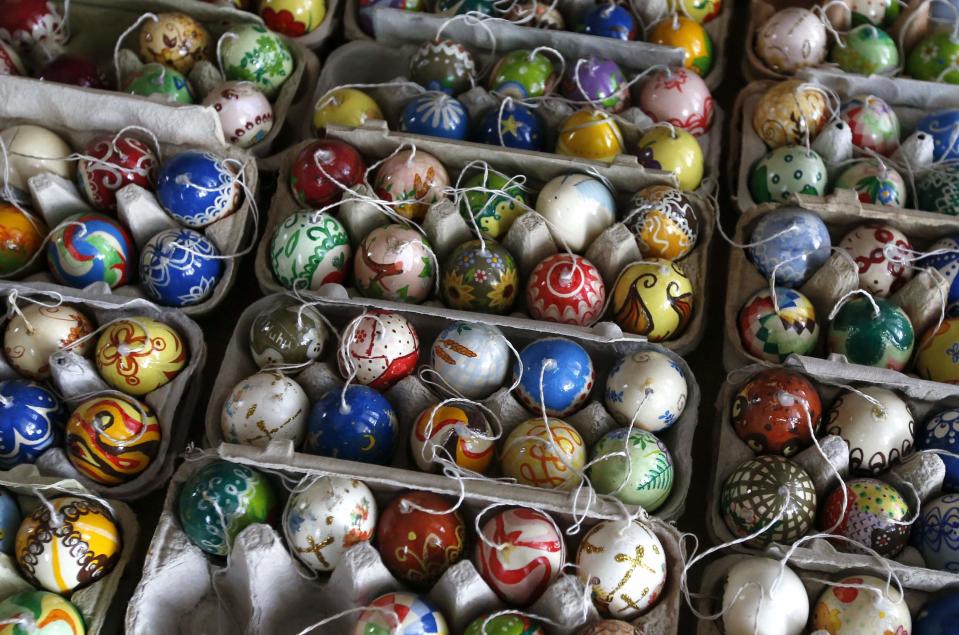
[(785, 171)]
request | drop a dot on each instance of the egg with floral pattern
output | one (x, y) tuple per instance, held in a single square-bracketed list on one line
[(309, 249), (937, 358), (646, 389), (785, 171), (198, 188), (862, 604), (874, 183), (523, 74), (873, 123), (643, 477), (395, 263), (435, 114), (935, 533), (934, 58), (137, 355), (480, 276), (944, 258), (444, 65), (174, 39), (256, 55), (410, 181)]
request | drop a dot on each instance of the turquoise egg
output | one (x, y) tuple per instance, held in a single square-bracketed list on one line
[(868, 50), (785, 171)]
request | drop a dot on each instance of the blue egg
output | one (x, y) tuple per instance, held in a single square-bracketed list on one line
[(88, 248), (9, 521), (608, 20), (947, 263), (365, 430), (197, 188), (176, 267), (942, 433), (938, 617), (936, 533), (943, 127), (566, 381), (31, 421), (792, 238), (436, 115), (512, 126)]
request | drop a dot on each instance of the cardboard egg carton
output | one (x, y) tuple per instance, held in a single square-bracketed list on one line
[(173, 403), (78, 115), (92, 601), (921, 298), (389, 24), (910, 99), (411, 396), (918, 478), (714, 581), (529, 239), (262, 588)]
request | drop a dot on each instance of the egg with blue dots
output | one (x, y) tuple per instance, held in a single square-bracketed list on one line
[(792, 242), (646, 389), (87, 248), (941, 433), (32, 422), (10, 518), (180, 267), (265, 407), (935, 531), (555, 373), (511, 125), (355, 424), (472, 359), (198, 188)]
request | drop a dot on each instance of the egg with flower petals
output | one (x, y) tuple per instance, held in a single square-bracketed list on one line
[(874, 182), (293, 18), (679, 97), (435, 114), (180, 267), (256, 54), (647, 390), (933, 59), (937, 357), (862, 604), (480, 276), (32, 23), (941, 435), (137, 355)]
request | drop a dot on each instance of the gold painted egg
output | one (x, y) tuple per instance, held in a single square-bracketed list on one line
[(789, 112), (345, 107), (590, 134), (653, 298), (673, 150), (138, 355), (175, 40)]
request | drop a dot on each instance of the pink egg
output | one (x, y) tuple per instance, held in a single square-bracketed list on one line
[(245, 113), (792, 39), (394, 263), (680, 97)]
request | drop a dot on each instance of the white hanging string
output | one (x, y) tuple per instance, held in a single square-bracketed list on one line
[(228, 35), (123, 36)]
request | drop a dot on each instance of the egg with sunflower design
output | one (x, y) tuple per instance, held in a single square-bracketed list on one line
[(410, 181), (790, 112), (511, 125), (590, 134), (862, 604), (137, 355), (480, 276), (396, 263), (643, 477), (935, 57), (653, 298), (937, 190), (866, 50), (938, 356), (21, 237), (874, 182), (879, 334), (493, 200), (774, 331), (665, 222), (673, 150), (688, 35), (785, 171)]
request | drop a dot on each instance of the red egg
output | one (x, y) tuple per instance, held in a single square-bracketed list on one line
[(10, 62), (73, 70), (322, 168), (26, 23), (776, 412), (567, 289), (109, 166)]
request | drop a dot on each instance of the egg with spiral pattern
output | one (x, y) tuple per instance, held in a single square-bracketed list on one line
[(110, 163), (567, 289), (665, 222), (86, 248)]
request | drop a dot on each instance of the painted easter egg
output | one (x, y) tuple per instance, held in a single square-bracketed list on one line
[(673, 150), (688, 35), (941, 432), (256, 55), (653, 298), (159, 83), (523, 74), (590, 134), (942, 127), (460, 7), (310, 249), (883, 338), (511, 125), (180, 267), (197, 188), (548, 455), (75, 70), (88, 247), (366, 8), (567, 289), (643, 477), (322, 168), (555, 374), (456, 433), (944, 258), (111, 439), (111, 164), (21, 236), (493, 200), (508, 624), (791, 39), (536, 15), (137, 355), (936, 531), (245, 113), (867, 50), (219, 500), (578, 208), (32, 23), (877, 12), (10, 61), (175, 40), (345, 107), (790, 113), (871, 513), (480, 276), (792, 242), (608, 20), (861, 604), (881, 252), (874, 183), (785, 171), (35, 332), (774, 335), (411, 181), (444, 65), (934, 57), (33, 418), (355, 424), (877, 427), (31, 151), (435, 114), (382, 350), (873, 123), (598, 83), (289, 334), (665, 222), (396, 263), (776, 412), (50, 612), (401, 613), (937, 190), (937, 616), (264, 407), (293, 18), (472, 358), (678, 97), (646, 389), (10, 518), (937, 358), (763, 597), (701, 11)]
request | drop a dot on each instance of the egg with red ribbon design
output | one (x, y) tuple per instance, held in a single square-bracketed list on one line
[(382, 349), (566, 288), (679, 97), (882, 254), (110, 163)]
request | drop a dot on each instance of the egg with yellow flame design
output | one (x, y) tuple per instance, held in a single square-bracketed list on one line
[(138, 355), (653, 298)]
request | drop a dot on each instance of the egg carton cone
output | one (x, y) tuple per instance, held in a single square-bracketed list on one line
[(714, 582), (918, 478), (75, 376), (92, 601), (78, 115), (910, 99), (392, 24), (262, 588), (411, 396), (529, 240)]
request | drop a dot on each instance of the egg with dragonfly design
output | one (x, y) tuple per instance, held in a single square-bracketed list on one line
[(665, 222), (410, 181), (607, 20), (265, 407), (88, 247), (321, 171), (21, 236), (111, 163), (679, 97), (174, 39), (937, 357), (379, 349), (936, 533), (471, 358), (159, 83), (937, 190), (545, 453), (792, 38), (874, 182), (942, 126), (870, 513), (198, 188), (643, 477), (355, 423), (289, 334), (776, 412), (596, 82), (455, 433), (873, 123), (396, 263), (309, 249), (480, 276), (256, 54), (646, 389), (32, 421), (653, 298), (37, 331), (415, 615), (493, 200), (882, 254), (555, 375), (511, 125), (137, 355), (941, 433), (435, 114), (785, 171), (180, 267), (790, 243), (567, 289), (876, 424), (444, 65), (873, 333)]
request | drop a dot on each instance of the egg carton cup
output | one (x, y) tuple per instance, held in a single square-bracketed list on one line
[(79, 115), (92, 601), (921, 298), (75, 376), (714, 581), (910, 99), (918, 478), (262, 588), (411, 396)]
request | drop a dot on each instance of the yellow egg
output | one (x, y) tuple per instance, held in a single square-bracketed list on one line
[(175, 40), (345, 107), (139, 355), (590, 134), (937, 359), (20, 238), (688, 35), (292, 17), (673, 150), (653, 298), (788, 112), (532, 459)]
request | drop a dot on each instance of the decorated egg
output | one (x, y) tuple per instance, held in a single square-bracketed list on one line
[(310, 249), (244, 112), (644, 476), (881, 253), (35, 332), (111, 439), (664, 221), (355, 424), (624, 564), (137, 355), (774, 335), (754, 496), (48, 611), (944, 258), (197, 188), (790, 112), (435, 114), (265, 407), (493, 200), (878, 428), (10, 61), (590, 134), (792, 243), (180, 267), (678, 97), (401, 613), (934, 58), (10, 518), (608, 20), (480, 276), (33, 418), (74, 70), (871, 513), (701, 11), (88, 247), (345, 107), (471, 358), (941, 432), (873, 123), (175, 40), (419, 539), (366, 13), (220, 500), (461, 7), (937, 190), (866, 50), (763, 597), (293, 18), (159, 83), (523, 74), (862, 604), (382, 349), (935, 533), (688, 35), (21, 236), (647, 390), (412, 180), (511, 125), (31, 23), (322, 168), (456, 433), (395, 262), (937, 616), (785, 171), (555, 374), (938, 356), (111, 163), (883, 338), (508, 624), (256, 55), (776, 412), (653, 298), (567, 289), (444, 65), (548, 455), (942, 127), (874, 183), (289, 334), (673, 150), (598, 83), (877, 12), (326, 517), (536, 15), (791, 39), (31, 151), (520, 554), (577, 208)]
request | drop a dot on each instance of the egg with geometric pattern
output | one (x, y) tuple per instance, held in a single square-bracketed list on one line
[(785, 171), (773, 335)]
